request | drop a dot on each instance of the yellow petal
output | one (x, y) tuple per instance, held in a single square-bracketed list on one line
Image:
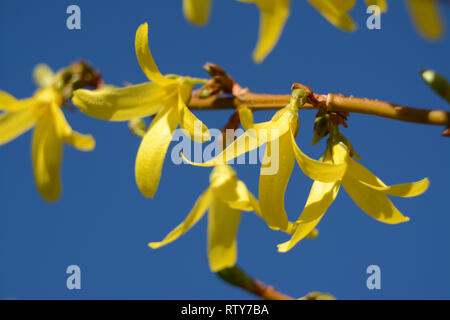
[(246, 118), (9, 103), (272, 187), (405, 190), (336, 17), (43, 75), (240, 198), (344, 5), (13, 124), (197, 212), (273, 16), (80, 141), (250, 140), (246, 142), (153, 149), (373, 202), (425, 14), (193, 127), (197, 11), (6, 101), (317, 170), (145, 57), (123, 104), (320, 198), (381, 3), (47, 153), (223, 224)]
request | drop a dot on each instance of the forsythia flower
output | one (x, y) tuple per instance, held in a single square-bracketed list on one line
[(165, 96), (197, 11), (42, 111), (366, 190), (224, 199), (425, 14), (279, 132), (274, 14)]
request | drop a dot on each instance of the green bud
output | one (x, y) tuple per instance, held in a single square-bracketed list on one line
[(320, 128), (438, 83)]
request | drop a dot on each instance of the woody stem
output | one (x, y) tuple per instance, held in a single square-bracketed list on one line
[(378, 108)]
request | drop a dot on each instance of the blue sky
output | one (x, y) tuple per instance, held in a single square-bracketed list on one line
[(103, 224)]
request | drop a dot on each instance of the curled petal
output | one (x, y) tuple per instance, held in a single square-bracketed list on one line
[(123, 104), (223, 224), (194, 128), (250, 140), (317, 170), (405, 190), (197, 212), (246, 142), (47, 153), (152, 151), (197, 11), (425, 14), (273, 17), (336, 17), (80, 141), (276, 170), (145, 57), (373, 202), (240, 198), (320, 198), (13, 124)]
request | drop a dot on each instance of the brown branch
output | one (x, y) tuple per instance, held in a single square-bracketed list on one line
[(378, 108)]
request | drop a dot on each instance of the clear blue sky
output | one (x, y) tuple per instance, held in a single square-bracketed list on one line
[(103, 224)]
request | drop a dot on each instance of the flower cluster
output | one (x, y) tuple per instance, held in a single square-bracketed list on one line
[(166, 97), (51, 129)]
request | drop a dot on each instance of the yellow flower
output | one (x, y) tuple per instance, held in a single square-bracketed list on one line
[(273, 17), (42, 111), (224, 200), (425, 14), (278, 163), (165, 97), (197, 11), (366, 190)]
